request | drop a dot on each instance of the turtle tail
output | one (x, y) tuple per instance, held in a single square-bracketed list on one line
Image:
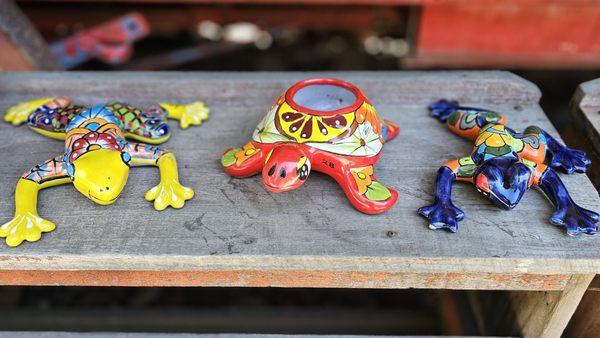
[(390, 130)]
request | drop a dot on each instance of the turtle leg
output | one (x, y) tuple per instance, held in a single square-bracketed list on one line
[(391, 130), (246, 161), (364, 191)]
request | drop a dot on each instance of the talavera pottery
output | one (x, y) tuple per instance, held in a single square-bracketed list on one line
[(97, 156), (503, 164), (326, 125)]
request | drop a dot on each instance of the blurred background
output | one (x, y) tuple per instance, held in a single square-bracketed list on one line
[(553, 43)]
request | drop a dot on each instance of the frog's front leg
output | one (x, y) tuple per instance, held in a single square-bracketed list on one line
[(187, 114), (568, 214), (442, 214), (169, 192), (27, 224), (539, 146)]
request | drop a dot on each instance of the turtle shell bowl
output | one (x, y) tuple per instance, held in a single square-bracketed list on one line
[(326, 125)]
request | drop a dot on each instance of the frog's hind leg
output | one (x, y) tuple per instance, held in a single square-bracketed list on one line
[(148, 126), (187, 114), (536, 145), (464, 121), (48, 116), (21, 112)]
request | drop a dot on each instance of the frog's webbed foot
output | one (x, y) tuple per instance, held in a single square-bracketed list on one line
[(442, 215), (570, 160), (169, 193), (26, 226), (442, 109), (187, 114), (19, 113), (576, 220)]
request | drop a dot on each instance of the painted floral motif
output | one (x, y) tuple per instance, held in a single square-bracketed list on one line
[(367, 113), (92, 141), (266, 132), (238, 156), (303, 127), (363, 142), (365, 184)]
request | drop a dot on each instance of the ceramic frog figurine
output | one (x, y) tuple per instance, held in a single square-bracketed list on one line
[(503, 165), (97, 156)]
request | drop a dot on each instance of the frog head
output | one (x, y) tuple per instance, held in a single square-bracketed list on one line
[(503, 180), (101, 174)]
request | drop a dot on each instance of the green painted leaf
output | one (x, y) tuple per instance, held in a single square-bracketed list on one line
[(453, 118), (377, 192), (228, 158)]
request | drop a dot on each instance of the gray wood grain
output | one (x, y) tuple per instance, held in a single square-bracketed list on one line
[(236, 224)]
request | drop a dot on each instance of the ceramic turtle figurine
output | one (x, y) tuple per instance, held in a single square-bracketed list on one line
[(97, 155), (326, 125)]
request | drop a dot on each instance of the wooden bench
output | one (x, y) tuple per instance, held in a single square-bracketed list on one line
[(236, 233), (585, 108)]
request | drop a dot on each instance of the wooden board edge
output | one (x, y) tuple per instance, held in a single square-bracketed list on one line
[(285, 279)]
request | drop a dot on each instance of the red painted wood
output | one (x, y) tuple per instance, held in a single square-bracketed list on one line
[(568, 31)]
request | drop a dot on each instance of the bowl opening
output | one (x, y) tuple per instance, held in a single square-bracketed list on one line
[(324, 97)]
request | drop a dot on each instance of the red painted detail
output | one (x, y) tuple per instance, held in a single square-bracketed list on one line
[(360, 98)]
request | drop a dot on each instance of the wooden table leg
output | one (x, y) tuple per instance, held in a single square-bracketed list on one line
[(547, 313)]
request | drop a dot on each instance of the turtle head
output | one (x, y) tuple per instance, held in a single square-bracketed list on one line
[(286, 168), (502, 180), (101, 174)]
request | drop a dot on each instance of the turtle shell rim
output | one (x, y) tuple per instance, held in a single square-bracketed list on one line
[(360, 98)]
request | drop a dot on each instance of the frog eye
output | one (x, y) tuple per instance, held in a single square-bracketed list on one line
[(126, 157)]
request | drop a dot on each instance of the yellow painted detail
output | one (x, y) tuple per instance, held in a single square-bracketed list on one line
[(362, 177), (169, 192), (27, 225), (301, 162), (465, 161), (19, 113), (147, 139), (100, 175), (517, 144), (51, 134), (316, 134), (495, 140), (529, 163), (187, 114)]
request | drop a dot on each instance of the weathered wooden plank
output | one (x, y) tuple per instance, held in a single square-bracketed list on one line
[(236, 225), (585, 108), (546, 314), (585, 322), (287, 278), (48, 334)]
